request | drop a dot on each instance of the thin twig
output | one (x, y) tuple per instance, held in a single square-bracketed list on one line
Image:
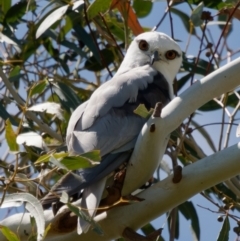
[(170, 19), (110, 34), (221, 36), (29, 114), (95, 41), (210, 124), (222, 126), (173, 220), (160, 21)]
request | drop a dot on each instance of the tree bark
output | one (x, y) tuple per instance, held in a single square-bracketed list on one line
[(149, 149)]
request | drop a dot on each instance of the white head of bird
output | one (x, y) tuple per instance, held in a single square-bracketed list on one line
[(154, 48)]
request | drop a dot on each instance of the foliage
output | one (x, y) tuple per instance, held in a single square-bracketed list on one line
[(54, 54)]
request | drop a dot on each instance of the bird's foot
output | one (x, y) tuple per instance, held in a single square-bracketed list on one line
[(114, 197)]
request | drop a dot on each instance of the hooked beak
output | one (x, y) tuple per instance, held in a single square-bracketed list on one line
[(155, 57)]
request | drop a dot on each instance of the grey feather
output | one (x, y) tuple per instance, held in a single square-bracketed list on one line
[(115, 126), (90, 200), (107, 122)]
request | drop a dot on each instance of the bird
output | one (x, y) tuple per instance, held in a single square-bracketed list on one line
[(107, 121)]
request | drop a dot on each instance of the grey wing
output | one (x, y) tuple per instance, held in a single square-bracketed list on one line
[(113, 132), (106, 122)]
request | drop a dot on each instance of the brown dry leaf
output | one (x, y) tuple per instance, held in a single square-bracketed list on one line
[(127, 12), (229, 11)]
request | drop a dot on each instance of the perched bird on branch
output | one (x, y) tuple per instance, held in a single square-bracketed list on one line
[(107, 121)]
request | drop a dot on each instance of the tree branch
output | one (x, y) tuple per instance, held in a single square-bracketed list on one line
[(149, 148)]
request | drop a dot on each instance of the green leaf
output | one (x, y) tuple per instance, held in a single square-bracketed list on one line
[(224, 233), (211, 4), (75, 162), (205, 134), (116, 27), (49, 108), (9, 235), (55, 54), (9, 40), (68, 98), (232, 101), (15, 75), (197, 14), (228, 192), (74, 48), (32, 205), (185, 19), (183, 80), (98, 6), (93, 65), (57, 163), (64, 198), (10, 136), (142, 111), (16, 12), (31, 139), (4, 6), (5, 115), (38, 87), (51, 18), (189, 212), (92, 155), (201, 68), (147, 229), (85, 217), (86, 38), (45, 157), (46, 230), (142, 7), (176, 219)]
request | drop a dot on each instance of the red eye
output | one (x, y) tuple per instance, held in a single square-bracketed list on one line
[(171, 54), (143, 45)]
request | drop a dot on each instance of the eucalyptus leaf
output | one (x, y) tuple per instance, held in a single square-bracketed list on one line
[(33, 206), (46, 157), (64, 198), (48, 107), (92, 155), (51, 19), (9, 235), (142, 111), (5, 115), (85, 217), (10, 136), (185, 19), (142, 8), (68, 98), (197, 14), (31, 139), (189, 212), (38, 87), (4, 6), (57, 163), (75, 162), (7, 40), (224, 232), (77, 4), (98, 6)]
